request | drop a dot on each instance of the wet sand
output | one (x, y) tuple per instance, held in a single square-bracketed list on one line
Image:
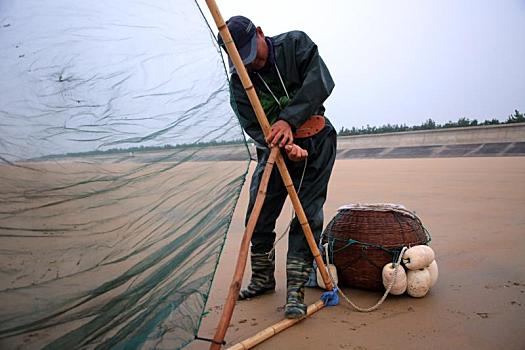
[(473, 207)]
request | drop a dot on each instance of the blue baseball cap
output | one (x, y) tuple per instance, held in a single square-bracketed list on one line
[(244, 36)]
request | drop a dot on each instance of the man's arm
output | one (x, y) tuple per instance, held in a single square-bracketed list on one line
[(317, 83)]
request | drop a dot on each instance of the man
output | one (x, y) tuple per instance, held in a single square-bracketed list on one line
[(292, 82)]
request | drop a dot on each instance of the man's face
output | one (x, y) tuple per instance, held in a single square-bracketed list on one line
[(262, 52)]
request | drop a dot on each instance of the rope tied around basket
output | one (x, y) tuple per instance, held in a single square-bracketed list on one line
[(330, 298), (349, 242)]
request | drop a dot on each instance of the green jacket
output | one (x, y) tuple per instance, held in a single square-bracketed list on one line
[(305, 76)]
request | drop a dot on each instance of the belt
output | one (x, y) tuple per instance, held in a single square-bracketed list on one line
[(310, 127)]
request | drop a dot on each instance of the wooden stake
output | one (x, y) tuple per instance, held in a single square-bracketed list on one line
[(235, 286), (287, 180), (275, 329)]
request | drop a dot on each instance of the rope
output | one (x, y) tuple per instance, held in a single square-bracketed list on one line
[(383, 298), (210, 340), (271, 92), (272, 251), (349, 242)]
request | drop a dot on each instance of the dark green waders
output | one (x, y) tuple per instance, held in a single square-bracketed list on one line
[(262, 280)]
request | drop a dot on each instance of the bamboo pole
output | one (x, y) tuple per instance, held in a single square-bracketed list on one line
[(235, 286), (275, 329), (239, 66), (265, 126)]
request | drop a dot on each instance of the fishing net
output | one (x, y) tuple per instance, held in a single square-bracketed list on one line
[(121, 162)]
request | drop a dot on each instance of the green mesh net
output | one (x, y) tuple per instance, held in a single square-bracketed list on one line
[(121, 162)]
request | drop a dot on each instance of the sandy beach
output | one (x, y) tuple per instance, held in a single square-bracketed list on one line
[(473, 208)]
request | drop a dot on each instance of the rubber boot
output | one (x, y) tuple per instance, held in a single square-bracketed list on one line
[(297, 271), (263, 279)]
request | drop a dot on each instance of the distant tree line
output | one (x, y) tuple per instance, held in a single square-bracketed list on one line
[(143, 148), (429, 124)]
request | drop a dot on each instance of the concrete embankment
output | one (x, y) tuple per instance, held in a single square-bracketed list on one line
[(476, 141)]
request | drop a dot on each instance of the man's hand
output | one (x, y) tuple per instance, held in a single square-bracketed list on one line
[(295, 153), (280, 134)]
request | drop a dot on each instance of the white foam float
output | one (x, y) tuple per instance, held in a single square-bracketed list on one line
[(418, 257), (418, 282), (433, 270), (400, 284)]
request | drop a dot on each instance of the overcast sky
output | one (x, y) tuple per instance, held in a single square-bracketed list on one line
[(408, 60)]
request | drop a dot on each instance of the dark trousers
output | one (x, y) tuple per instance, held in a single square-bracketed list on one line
[(321, 157)]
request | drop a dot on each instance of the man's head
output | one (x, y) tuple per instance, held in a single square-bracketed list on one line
[(250, 42)]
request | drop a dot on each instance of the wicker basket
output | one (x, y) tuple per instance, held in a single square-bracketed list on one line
[(364, 237)]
